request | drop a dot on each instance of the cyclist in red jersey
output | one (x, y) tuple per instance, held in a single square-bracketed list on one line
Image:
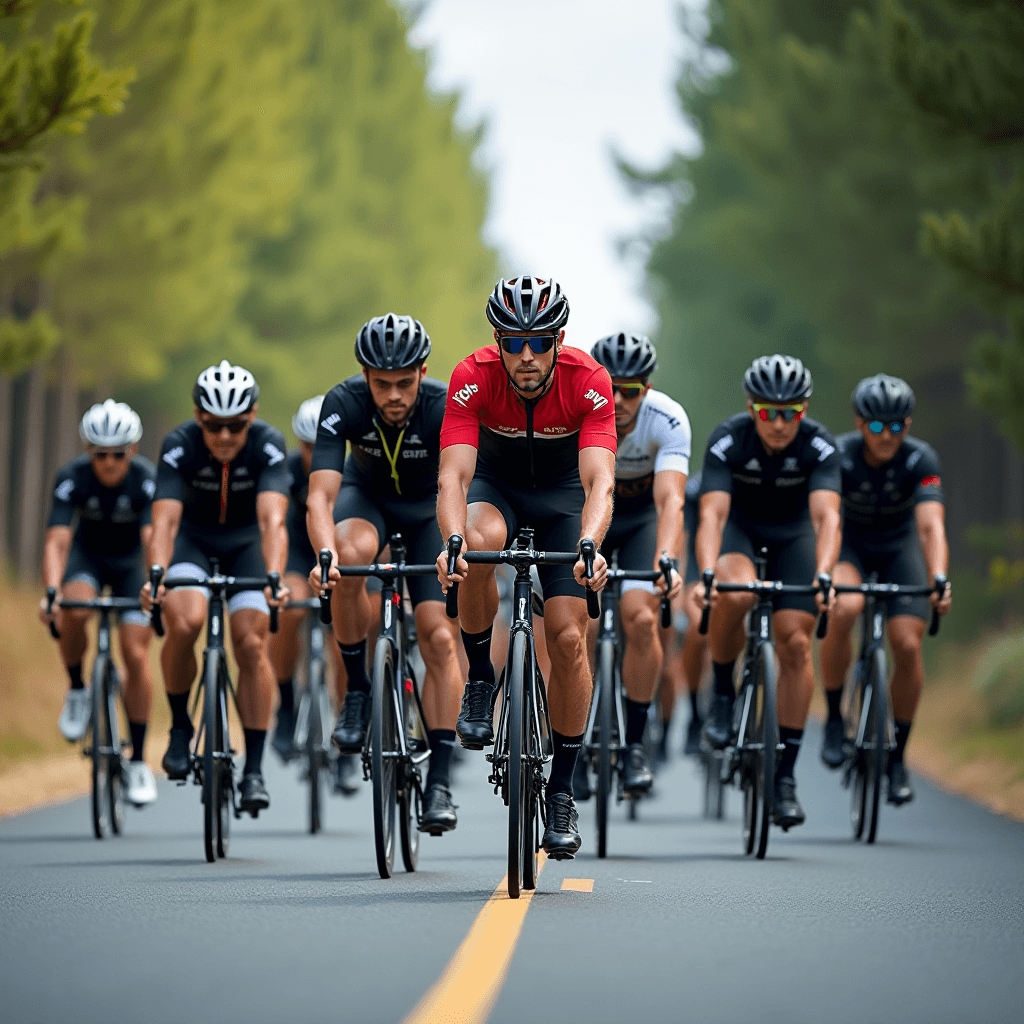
[(529, 440)]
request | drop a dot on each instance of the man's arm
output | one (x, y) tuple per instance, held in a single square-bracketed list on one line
[(166, 521), (931, 528), (55, 557), (825, 518), (597, 474), (324, 485), (714, 512), (146, 536), (454, 475), (271, 513), (669, 499)]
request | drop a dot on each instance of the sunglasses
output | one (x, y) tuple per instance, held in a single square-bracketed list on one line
[(768, 413), (629, 390), (231, 426), (538, 343), (102, 456), (895, 426)]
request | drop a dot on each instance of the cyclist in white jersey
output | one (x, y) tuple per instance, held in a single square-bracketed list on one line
[(651, 462)]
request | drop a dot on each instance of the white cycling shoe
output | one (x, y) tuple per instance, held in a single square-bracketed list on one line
[(74, 716), (141, 784)]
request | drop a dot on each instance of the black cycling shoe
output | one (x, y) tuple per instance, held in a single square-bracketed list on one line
[(350, 731), (284, 730), (252, 794), (693, 736), (346, 778), (786, 809), (438, 810), (581, 791), (476, 719), (177, 761), (637, 777), (833, 746), (899, 789), (561, 839), (717, 728)]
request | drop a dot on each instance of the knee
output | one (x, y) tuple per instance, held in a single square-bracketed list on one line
[(183, 623), (906, 649), (249, 649), (135, 656), (74, 621), (439, 645), (641, 626), (846, 610), (794, 649), (567, 643)]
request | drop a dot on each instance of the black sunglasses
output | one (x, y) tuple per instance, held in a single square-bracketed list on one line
[(513, 344), (231, 426), (117, 454)]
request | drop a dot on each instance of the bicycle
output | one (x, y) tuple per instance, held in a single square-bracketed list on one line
[(868, 718), (607, 718), (392, 755), (213, 769), (749, 760), (106, 745)]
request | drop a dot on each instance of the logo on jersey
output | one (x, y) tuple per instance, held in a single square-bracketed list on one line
[(790, 465), (171, 457), (753, 464), (597, 398), (275, 453), (328, 424), (913, 459), (556, 430), (463, 395), (149, 488), (721, 446), (207, 471), (931, 481), (65, 490), (823, 447)]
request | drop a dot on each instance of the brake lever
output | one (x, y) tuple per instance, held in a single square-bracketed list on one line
[(825, 587), (325, 594), (274, 579), (588, 552), (941, 582), (51, 596), (709, 581), (451, 603), (665, 565), (156, 576)]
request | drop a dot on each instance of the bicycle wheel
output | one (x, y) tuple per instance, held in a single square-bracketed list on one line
[(875, 735), (532, 788), (384, 749), (314, 682), (518, 772), (213, 790), (768, 739), (714, 791), (100, 742), (409, 797), (115, 762), (605, 714)]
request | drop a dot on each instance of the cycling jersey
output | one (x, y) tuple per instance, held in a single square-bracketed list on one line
[(659, 440), (220, 498), (878, 504), (110, 519), (388, 462), (538, 441)]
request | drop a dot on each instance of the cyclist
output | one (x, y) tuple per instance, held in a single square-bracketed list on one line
[(652, 459), (529, 440), (221, 493), (893, 525), (770, 479), (109, 490), (391, 416), (695, 646)]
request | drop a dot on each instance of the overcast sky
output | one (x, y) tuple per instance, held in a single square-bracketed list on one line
[(561, 84)]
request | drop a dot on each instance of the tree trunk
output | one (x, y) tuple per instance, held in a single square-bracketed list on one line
[(6, 437), (67, 406), (30, 510)]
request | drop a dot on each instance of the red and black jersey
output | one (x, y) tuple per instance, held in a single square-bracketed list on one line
[(539, 440)]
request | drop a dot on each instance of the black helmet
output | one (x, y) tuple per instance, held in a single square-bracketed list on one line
[(626, 355), (778, 379), (528, 304), (883, 398), (392, 342)]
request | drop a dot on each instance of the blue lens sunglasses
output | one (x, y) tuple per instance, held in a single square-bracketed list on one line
[(895, 426)]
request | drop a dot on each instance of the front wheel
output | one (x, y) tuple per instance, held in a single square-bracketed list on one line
[(115, 770), (100, 735), (876, 737), (217, 782), (606, 739), (314, 731), (384, 751), (519, 771)]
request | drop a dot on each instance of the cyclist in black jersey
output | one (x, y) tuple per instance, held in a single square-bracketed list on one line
[(770, 479), (893, 525), (391, 416), (100, 521), (221, 492)]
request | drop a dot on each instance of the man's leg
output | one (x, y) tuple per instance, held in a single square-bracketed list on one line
[(74, 716), (138, 698), (249, 629), (284, 653), (641, 668), (905, 635), (184, 614), (836, 653), (793, 630)]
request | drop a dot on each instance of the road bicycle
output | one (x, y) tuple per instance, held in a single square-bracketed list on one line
[(213, 768), (867, 702), (605, 736), (105, 745), (750, 758), (396, 747)]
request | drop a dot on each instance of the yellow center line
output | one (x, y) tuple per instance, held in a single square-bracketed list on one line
[(466, 992)]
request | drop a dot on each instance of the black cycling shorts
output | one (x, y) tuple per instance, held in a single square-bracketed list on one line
[(635, 536), (415, 520), (553, 512), (125, 577), (898, 563), (792, 557)]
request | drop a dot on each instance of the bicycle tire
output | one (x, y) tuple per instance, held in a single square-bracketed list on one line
[(768, 737), (714, 791), (409, 797), (606, 696), (314, 681), (877, 722), (518, 784), (532, 789), (384, 770), (115, 763), (212, 791), (859, 788), (100, 739)]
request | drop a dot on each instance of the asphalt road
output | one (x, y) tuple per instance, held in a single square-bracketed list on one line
[(927, 925)]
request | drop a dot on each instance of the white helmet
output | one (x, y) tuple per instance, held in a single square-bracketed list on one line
[(225, 390), (305, 421), (110, 425)]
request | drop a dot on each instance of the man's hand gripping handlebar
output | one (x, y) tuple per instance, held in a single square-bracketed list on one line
[(451, 604)]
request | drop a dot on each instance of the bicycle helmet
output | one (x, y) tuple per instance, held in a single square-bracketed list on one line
[(225, 390), (110, 425), (306, 420), (626, 355), (883, 398), (392, 342), (528, 304), (778, 379)]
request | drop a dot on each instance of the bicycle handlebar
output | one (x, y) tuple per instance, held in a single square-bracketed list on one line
[(51, 596), (229, 584), (588, 552), (762, 587), (891, 589), (325, 594), (451, 603)]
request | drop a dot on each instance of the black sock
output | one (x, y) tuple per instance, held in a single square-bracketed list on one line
[(902, 735), (694, 706), (354, 657), (563, 763), (138, 732), (787, 762), (478, 650), (636, 721), (835, 701), (254, 740), (442, 746), (723, 677), (75, 674), (287, 691), (179, 712)]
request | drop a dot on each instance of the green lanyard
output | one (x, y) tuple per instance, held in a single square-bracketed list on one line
[(392, 458)]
